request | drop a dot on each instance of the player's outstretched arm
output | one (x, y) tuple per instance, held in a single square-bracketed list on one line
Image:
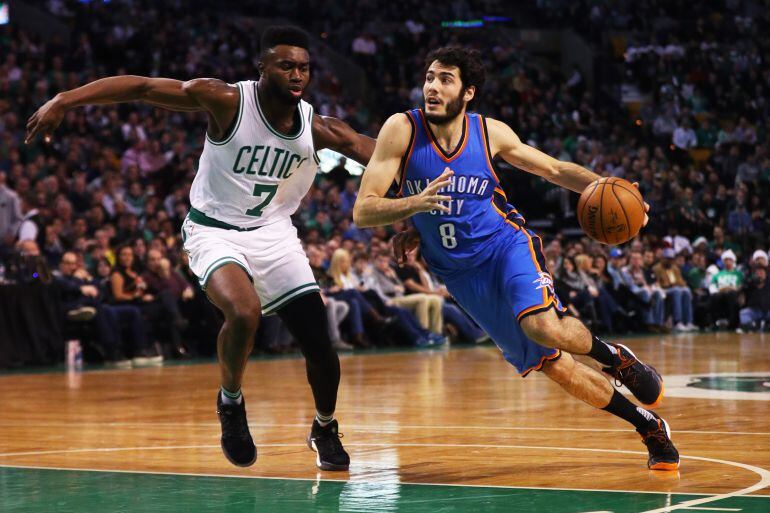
[(372, 208), (505, 143), (216, 97), (337, 135)]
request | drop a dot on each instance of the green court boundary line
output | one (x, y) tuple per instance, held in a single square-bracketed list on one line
[(763, 474)]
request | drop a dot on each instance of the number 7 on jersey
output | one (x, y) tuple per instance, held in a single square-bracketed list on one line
[(259, 190)]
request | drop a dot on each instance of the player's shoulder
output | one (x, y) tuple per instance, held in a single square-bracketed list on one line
[(496, 126), (397, 121), (501, 136)]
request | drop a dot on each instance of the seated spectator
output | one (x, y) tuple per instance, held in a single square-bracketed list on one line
[(128, 290), (605, 304), (651, 295), (572, 289), (756, 315), (343, 287), (199, 312), (418, 280), (619, 284), (696, 280), (403, 321), (426, 307), (759, 259), (81, 301), (412, 330), (354, 320), (669, 278), (168, 290), (336, 311), (724, 288)]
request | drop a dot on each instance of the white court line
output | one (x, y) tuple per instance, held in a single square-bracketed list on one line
[(762, 483), (712, 509), (375, 428)]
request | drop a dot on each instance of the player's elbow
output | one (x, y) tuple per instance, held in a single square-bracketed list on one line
[(194, 86), (359, 218)]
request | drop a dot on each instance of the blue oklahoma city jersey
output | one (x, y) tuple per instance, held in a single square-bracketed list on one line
[(478, 209), (492, 265)]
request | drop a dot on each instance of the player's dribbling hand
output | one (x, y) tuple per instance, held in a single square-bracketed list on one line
[(404, 243), (45, 120), (429, 199), (646, 208)]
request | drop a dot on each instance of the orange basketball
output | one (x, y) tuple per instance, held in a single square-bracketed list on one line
[(611, 210)]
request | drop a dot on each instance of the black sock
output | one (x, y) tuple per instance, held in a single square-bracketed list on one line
[(603, 352), (626, 410)]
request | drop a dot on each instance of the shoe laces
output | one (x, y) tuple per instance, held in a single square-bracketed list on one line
[(329, 438), (623, 373), (658, 438)]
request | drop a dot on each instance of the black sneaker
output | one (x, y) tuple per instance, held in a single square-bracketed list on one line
[(236, 440), (642, 380), (325, 441), (663, 454)]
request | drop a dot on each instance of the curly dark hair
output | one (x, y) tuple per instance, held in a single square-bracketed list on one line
[(469, 62), (283, 35)]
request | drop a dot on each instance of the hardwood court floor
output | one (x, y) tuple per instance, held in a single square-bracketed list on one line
[(441, 430)]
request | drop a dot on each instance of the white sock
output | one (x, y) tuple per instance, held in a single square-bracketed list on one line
[(324, 420), (230, 397)]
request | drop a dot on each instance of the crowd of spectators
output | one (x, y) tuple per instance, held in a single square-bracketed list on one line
[(102, 202)]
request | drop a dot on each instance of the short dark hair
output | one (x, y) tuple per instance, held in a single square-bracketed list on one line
[(284, 35), (469, 62)]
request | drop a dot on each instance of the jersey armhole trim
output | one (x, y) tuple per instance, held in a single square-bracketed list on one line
[(234, 125), (487, 148), (310, 118), (407, 154)]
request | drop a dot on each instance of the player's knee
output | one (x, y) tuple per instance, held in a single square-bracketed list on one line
[(243, 316), (542, 329), (561, 369)]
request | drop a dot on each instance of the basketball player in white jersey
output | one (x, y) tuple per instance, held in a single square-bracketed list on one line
[(258, 162)]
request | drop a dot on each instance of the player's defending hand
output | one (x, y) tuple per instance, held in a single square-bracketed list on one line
[(646, 208), (404, 243), (45, 120), (430, 199)]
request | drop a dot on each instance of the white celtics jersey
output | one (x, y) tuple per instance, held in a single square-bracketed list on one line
[(256, 175)]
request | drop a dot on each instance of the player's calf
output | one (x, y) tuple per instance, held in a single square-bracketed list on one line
[(569, 334)]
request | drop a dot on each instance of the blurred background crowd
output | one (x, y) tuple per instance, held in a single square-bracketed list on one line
[(679, 105)]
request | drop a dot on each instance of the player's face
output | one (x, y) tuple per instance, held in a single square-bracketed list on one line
[(445, 97), (287, 72)]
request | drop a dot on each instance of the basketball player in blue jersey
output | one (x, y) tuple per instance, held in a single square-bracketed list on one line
[(442, 158)]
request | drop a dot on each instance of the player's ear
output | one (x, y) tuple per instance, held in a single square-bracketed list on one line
[(470, 93), (260, 67)]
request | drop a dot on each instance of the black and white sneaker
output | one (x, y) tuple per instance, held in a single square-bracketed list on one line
[(662, 453), (236, 440), (325, 441)]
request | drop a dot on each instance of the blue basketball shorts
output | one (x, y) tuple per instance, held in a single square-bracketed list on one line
[(512, 283)]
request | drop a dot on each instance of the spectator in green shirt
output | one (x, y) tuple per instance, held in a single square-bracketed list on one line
[(724, 288), (696, 276)]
